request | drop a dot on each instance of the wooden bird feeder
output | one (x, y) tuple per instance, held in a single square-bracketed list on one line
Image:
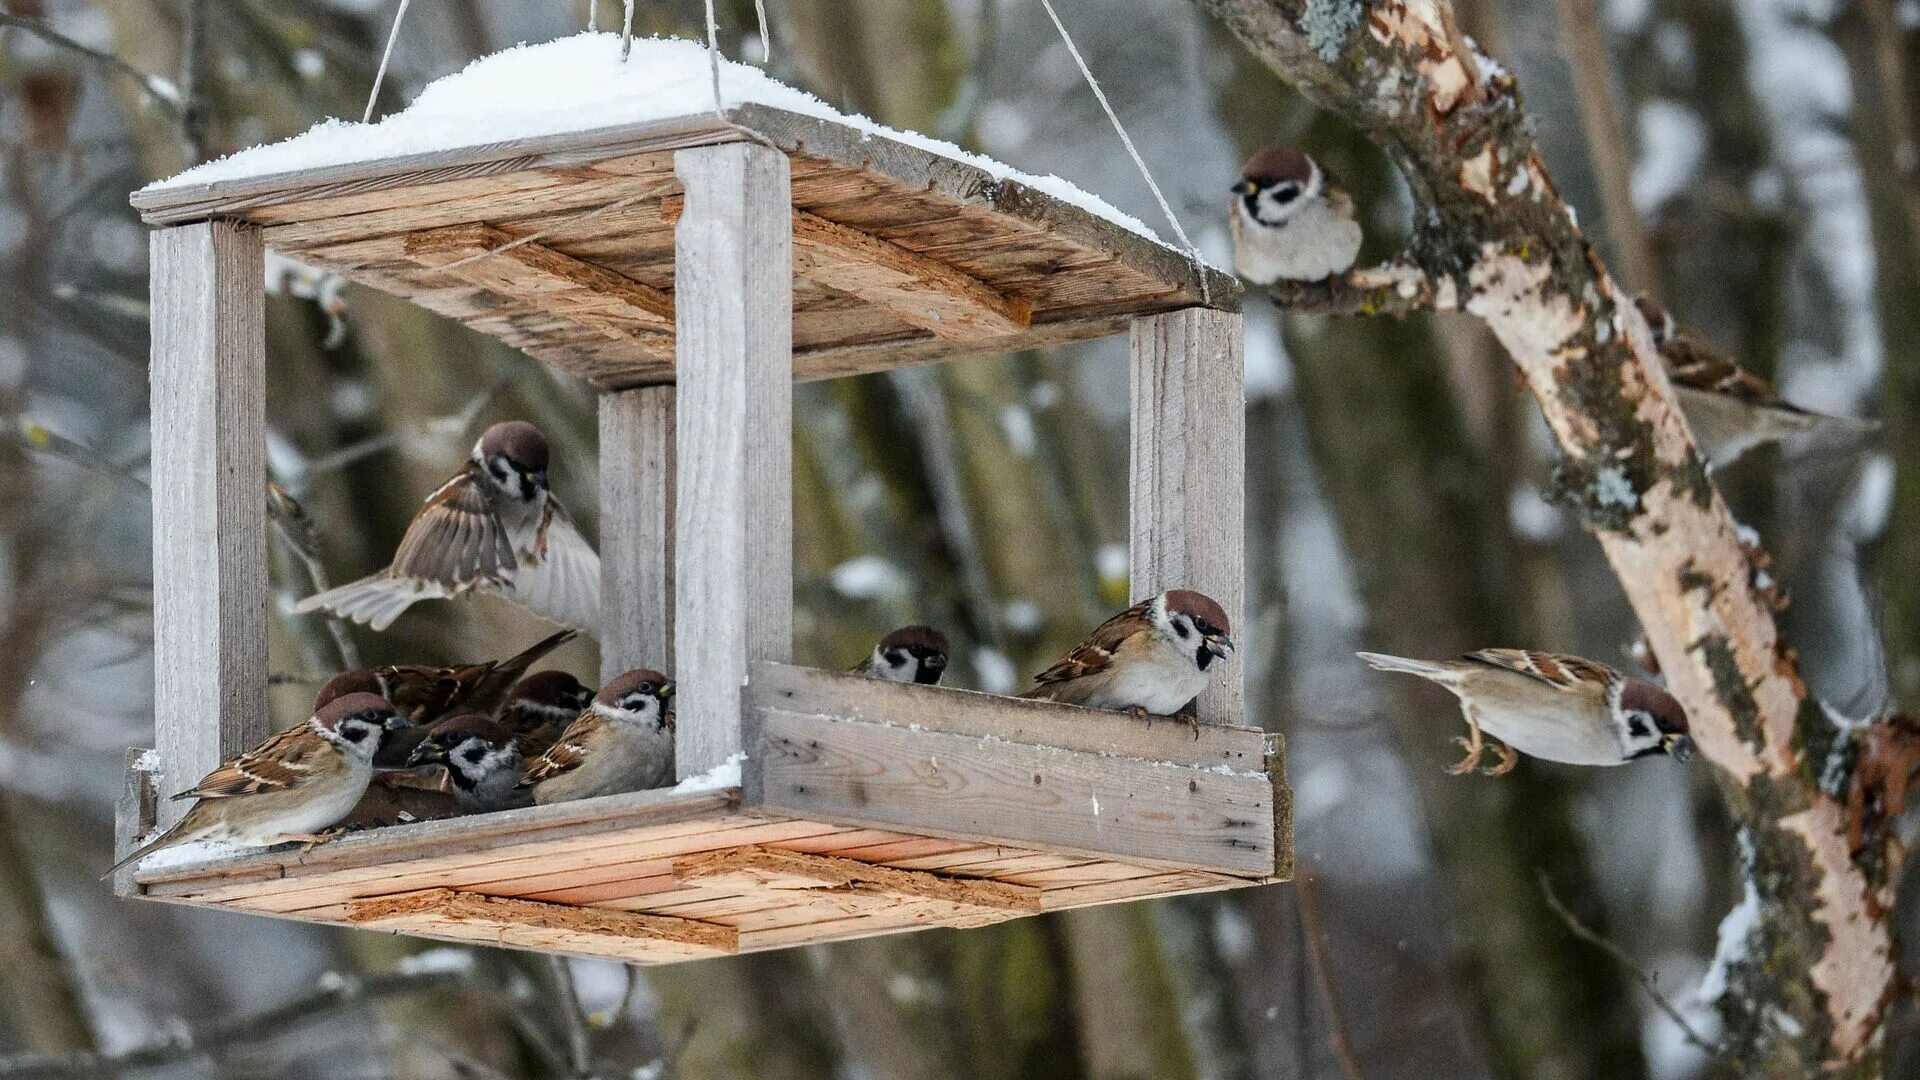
[(691, 273)]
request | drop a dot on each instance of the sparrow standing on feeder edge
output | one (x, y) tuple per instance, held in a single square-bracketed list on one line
[(1152, 658), (623, 742), (915, 654), (1556, 708), (1290, 220), (482, 761), (494, 527), (291, 787)]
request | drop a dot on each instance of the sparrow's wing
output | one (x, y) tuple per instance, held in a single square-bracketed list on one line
[(568, 751), (1096, 653), (288, 759), (1554, 669), (456, 540), (560, 578), (487, 692), (1693, 363)]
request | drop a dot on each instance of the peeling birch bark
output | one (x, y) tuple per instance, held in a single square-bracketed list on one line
[(1494, 239)]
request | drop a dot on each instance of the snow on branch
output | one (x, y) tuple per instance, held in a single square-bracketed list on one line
[(1494, 239)]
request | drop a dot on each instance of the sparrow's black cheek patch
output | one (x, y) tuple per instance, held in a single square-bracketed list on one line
[(1203, 656)]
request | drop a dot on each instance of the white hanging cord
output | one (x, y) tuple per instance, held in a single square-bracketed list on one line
[(626, 31), (713, 68), (381, 76), (1193, 253), (617, 204), (593, 15), (766, 38)]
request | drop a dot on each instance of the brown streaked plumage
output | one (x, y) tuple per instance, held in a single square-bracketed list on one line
[(540, 708), (482, 762), (623, 742), (1152, 657)]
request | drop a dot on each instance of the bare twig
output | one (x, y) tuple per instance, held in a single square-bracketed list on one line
[(1393, 288), (579, 1038), (296, 532), (1607, 146), (433, 428), (157, 89), (193, 78), (1640, 974), (1337, 1035)]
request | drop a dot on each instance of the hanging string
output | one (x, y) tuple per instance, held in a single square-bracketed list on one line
[(713, 69), (593, 16), (766, 39), (626, 31), (617, 204), (381, 76), (1193, 253)]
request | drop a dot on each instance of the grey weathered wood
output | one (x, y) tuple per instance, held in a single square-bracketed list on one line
[(133, 814), (966, 712), (209, 520), (636, 530), (967, 787), (733, 565), (1188, 470)]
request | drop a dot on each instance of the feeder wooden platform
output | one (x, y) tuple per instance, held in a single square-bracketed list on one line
[(692, 273)]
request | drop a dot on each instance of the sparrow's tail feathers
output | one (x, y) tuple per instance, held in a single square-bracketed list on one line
[(1426, 669), (174, 835), (375, 601), (525, 659)]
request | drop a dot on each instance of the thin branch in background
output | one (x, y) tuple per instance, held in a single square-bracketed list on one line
[(433, 428), (194, 65), (1337, 1035), (296, 532), (960, 119), (158, 90), (567, 999), (381, 75), (1607, 147), (1641, 974)]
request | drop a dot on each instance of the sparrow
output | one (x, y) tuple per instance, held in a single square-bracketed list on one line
[(1730, 410), (1152, 658), (1557, 708), (290, 787), (623, 742), (540, 708), (915, 654), (494, 527), (1290, 220), (482, 759), (424, 694)]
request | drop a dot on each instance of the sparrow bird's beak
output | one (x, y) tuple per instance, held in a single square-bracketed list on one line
[(397, 722), (429, 752), (1219, 645), (1245, 187), (1679, 747), (936, 662)]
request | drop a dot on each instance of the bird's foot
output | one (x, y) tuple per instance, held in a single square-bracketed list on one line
[(1469, 763), (1509, 757), (1139, 713), (309, 841)]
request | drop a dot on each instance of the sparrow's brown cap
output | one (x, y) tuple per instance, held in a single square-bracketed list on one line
[(1277, 163), (347, 705), (1198, 605), (520, 441), (622, 685), (453, 729), (923, 638), (552, 688), (356, 681), (1659, 319), (1668, 714)]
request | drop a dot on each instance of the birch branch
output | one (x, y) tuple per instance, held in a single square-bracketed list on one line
[(1491, 223)]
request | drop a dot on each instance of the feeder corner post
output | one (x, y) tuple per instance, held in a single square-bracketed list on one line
[(1187, 468), (733, 514), (209, 471)]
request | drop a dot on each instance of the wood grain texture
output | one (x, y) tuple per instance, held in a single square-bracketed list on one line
[(571, 288), (637, 474), (511, 920), (969, 787), (733, 574), (777, 871), (209, 520), (1186, 510)]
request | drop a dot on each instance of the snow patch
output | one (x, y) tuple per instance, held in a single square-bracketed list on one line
[(719, 778), (1736, 933), (436, 962), (187, 854)]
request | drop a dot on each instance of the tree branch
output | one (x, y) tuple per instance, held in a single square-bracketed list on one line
[(1490, 221), (157, 90)]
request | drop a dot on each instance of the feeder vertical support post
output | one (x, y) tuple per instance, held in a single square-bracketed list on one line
[(733, 518), (1187, 470), (636, 529), (209, 474)]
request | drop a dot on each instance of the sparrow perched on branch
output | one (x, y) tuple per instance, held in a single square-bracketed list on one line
[(482, 760), (1729, 409), (1151, 658), (1557, 708), (1290, 220), (623, 742), (493, 527), (540, 708), (915, 654), (290, 787), (424, 694)]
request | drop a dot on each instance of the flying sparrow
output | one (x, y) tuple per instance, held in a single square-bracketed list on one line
[(290, 787), (424, 694), (482, 760), (1557, 708), (540, 708), (915, 654), (623, 742), (1151, 658), (495, 527), (1729, 409), (1290, 220)]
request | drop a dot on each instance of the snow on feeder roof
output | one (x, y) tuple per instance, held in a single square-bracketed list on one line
[(906, 248)]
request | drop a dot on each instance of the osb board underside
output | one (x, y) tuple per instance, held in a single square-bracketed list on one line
[(597, 199), (632, 870)]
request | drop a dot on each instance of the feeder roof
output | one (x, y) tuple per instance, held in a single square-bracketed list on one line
[(906, 248)]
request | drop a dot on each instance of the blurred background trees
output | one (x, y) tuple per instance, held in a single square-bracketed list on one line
[(1754, 162)]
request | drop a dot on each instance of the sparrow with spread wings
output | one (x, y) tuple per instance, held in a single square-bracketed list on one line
[(493, 527)]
